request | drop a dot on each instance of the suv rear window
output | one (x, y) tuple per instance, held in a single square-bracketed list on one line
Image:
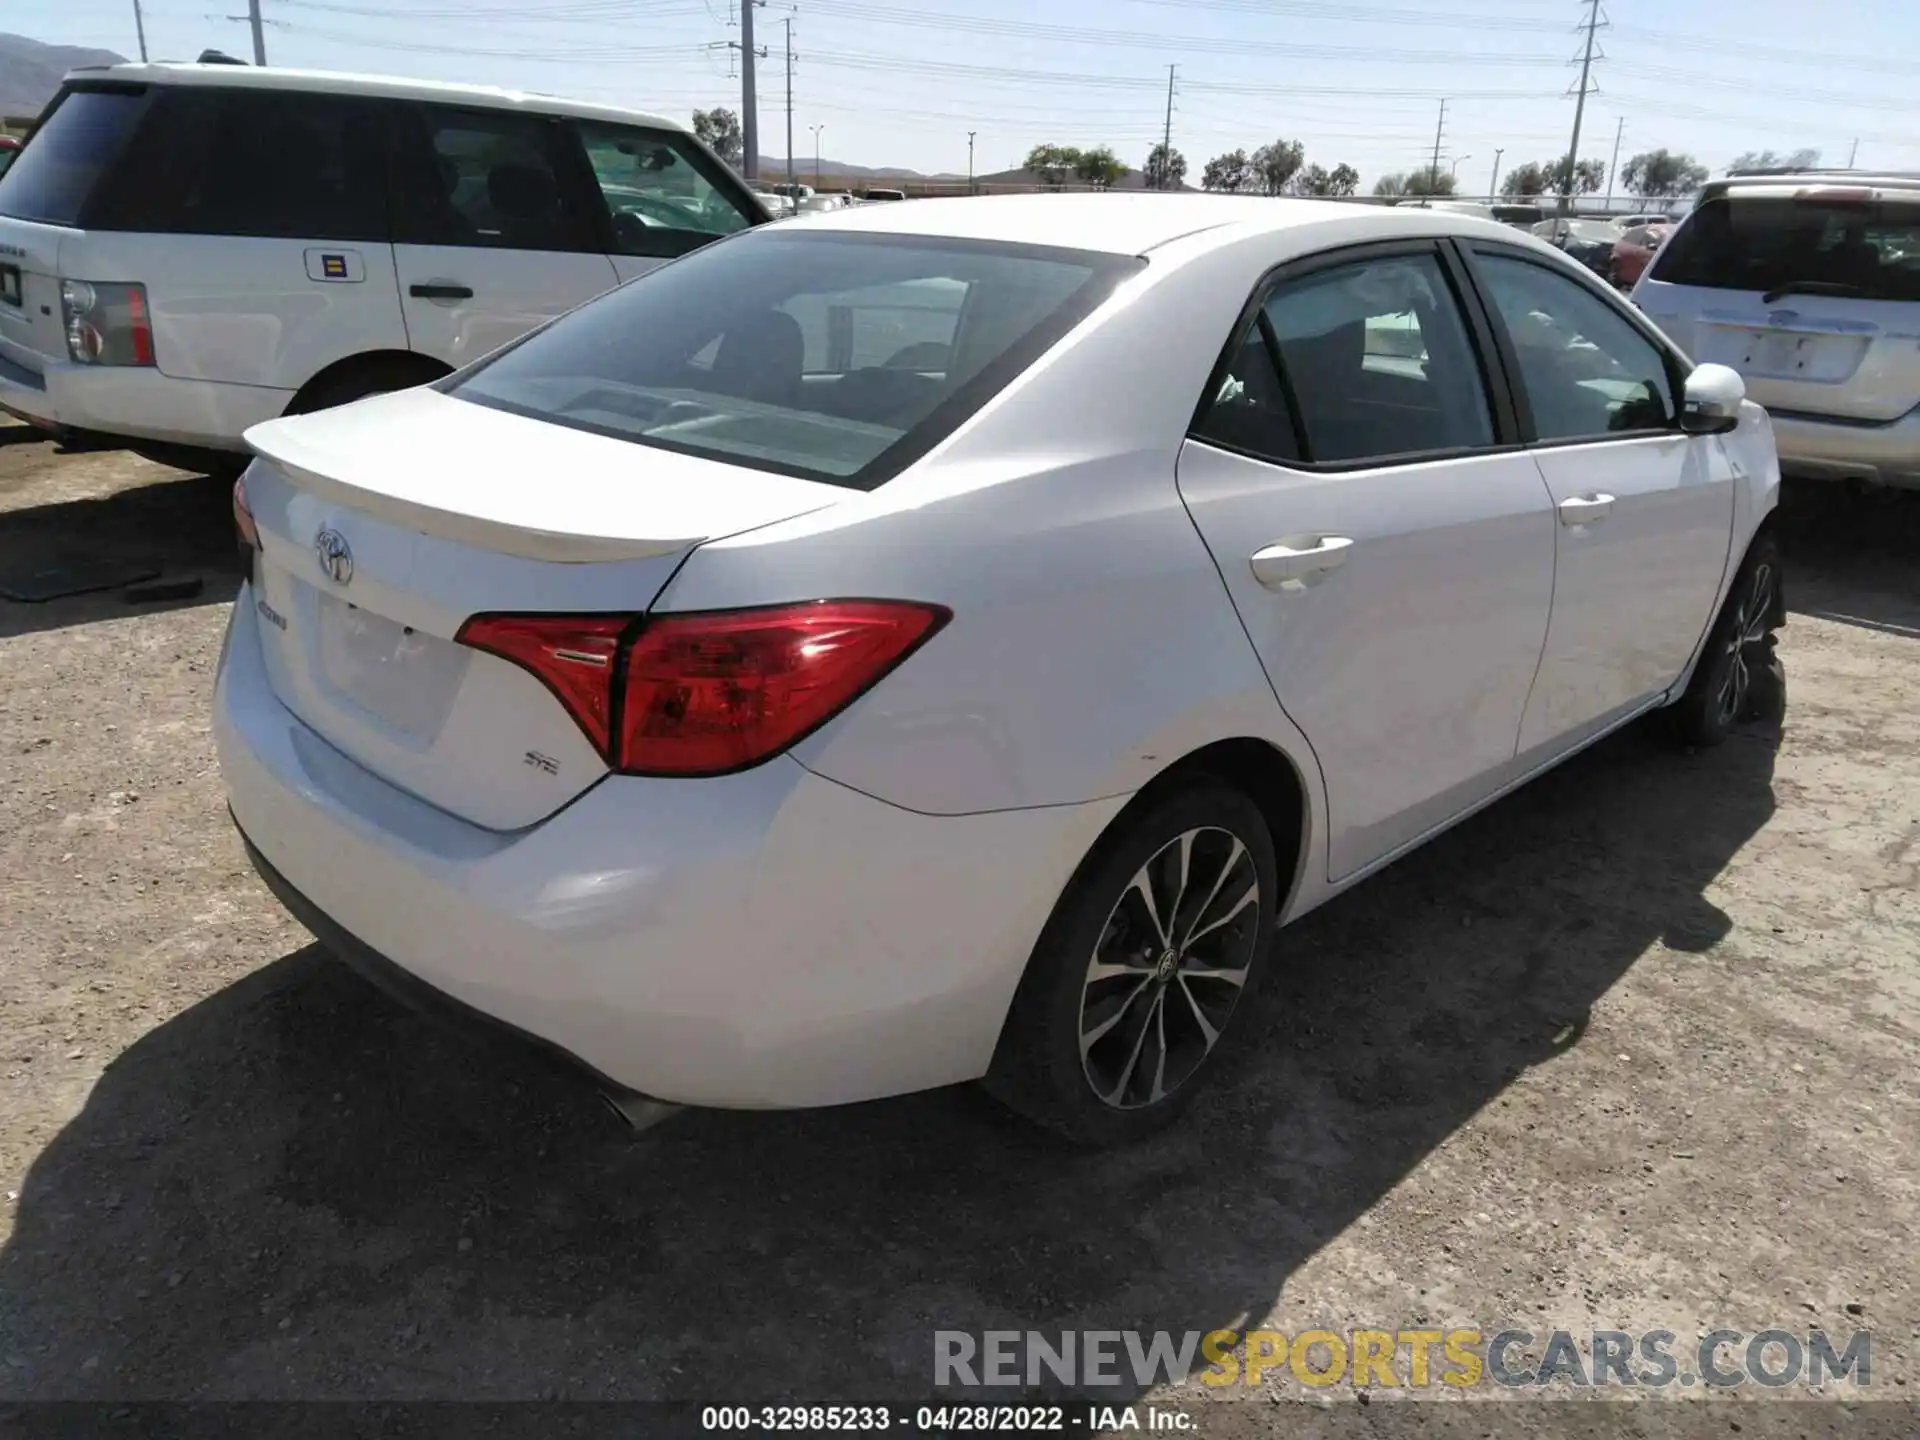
[(829, 355), (52, 176), (1869, 249)]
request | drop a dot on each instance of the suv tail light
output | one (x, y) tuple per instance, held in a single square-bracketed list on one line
[(708, 692), (107, 324)]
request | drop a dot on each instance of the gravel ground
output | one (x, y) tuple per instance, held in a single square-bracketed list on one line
[(1633, 1049)]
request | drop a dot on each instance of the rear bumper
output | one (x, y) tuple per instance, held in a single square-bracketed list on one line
[(132, 403), (764, 939), (1821, 449)]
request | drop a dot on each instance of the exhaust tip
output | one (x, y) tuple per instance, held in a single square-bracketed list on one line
[(641, 1112)]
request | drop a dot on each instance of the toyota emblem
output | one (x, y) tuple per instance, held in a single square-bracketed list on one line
[(336, 557)]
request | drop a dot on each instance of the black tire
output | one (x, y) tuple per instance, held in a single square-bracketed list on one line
[(1162, 999), (356, 382), (1739, 676)]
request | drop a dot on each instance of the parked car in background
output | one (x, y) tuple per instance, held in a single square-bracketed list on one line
[(1633, 222), (1633, 250), (875, 192), (778, 206), (191, 249), (1809, 285), (942, 642), (1588, 241), (1524, 217)]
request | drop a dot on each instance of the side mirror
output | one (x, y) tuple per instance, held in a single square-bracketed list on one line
[(1712, 404)]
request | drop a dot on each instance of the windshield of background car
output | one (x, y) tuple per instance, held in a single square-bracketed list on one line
[(52, 175), (1869, 248), (829, 355)]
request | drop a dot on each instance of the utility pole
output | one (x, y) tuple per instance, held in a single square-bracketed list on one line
[(1580, 105), (791, 191), (1613, 170), (816, 152), (1852, 150), (140, 28), (749, 110), (1493, 185), (259, 37), (1166, 136), (1433, 171), (970, 135)]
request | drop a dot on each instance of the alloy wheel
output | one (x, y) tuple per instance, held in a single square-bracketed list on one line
[(1751, 618), (1169, 968)]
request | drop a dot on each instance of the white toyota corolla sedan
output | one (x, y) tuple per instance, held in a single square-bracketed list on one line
[(938, 642)]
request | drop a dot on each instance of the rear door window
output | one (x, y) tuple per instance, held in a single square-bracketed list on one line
[(1378, 360), (489, 179), (280, 165), (663, 196), (53, 175), (1866, 249)]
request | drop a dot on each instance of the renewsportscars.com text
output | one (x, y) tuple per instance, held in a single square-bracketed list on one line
[(1400, 1358)]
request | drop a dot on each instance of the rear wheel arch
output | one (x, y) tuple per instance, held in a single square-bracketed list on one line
[(369, 373)]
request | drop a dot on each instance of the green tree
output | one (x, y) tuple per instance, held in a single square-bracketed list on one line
[(1430, 180), (1230, 172), (1523, 182), (1775, 160), (1275, 165), (1318, 181), (1053, 163), (1388, 186), (1165, 169), (1662, 172), (1588, 176), (1100, 167), (719, 130)]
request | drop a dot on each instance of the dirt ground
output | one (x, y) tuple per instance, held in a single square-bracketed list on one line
[(1634, 1049)]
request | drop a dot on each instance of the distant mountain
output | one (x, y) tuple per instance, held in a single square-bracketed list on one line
[(30, 71), (775, 168)]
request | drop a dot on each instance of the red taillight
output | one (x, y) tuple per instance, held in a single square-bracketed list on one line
[(243, 516), (139, 329), (572, 655), (705, 693)]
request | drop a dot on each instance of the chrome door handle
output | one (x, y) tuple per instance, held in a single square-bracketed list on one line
[(1585, 509), (1295, 560)]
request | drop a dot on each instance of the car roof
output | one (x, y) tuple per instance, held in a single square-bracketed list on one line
[(1133, 223), (1903, 183), (387, 87)]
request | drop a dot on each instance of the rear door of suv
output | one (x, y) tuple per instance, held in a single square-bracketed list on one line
[(493, 227), (1812, 293)]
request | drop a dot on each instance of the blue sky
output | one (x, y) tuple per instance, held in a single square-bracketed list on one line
[(901, 82)]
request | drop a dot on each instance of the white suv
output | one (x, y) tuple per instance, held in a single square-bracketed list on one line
[(1809, 285), (187, 250)]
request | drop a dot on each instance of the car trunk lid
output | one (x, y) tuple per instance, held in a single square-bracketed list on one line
[(386, 524)]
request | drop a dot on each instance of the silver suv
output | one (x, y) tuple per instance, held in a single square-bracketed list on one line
[(1808, 284)]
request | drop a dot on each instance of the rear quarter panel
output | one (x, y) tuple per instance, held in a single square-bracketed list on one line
[(1092, 643), (243, 310)]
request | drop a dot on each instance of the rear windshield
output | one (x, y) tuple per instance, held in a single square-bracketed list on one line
[(1769, 243), (55, 171), (834, 356)]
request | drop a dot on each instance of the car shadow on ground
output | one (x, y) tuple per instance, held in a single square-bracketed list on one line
[(167, 533), (293, 1188)]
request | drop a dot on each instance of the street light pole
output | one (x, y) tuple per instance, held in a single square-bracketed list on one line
[(1493, 185), (1456, 165), (816, 152), (970, 135)]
